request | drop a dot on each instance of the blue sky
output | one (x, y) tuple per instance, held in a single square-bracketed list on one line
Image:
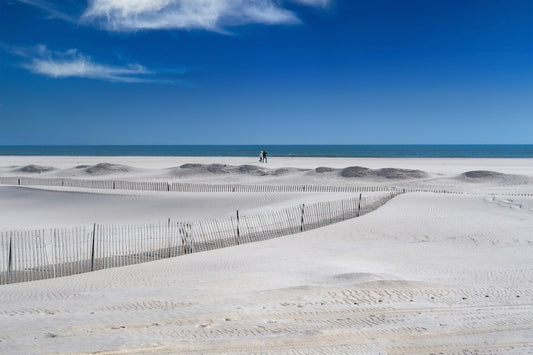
[(266, 72)]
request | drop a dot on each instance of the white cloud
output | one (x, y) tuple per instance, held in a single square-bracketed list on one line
[(72, 63), (213, 15), (81, 66)]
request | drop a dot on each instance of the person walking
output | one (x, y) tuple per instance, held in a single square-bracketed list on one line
[(264, 156), (260, 156)]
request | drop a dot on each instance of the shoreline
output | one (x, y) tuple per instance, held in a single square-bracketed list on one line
[(284, 150)]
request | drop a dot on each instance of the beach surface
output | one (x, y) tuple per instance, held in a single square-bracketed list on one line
[(427, 273)]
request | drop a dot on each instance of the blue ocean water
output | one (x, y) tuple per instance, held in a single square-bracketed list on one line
[(379, 151)]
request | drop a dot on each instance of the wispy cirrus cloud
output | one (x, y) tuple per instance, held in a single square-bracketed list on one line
[(61, 9), (321, 3), (73, 63), (210, 15)]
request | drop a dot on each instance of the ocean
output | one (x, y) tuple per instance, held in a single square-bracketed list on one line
[(375, 151)]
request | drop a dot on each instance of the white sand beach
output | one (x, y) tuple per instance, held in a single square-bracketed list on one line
[(427, 273)]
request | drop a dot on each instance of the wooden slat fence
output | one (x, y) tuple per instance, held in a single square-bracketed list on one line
[(48, 253), (203, 187)]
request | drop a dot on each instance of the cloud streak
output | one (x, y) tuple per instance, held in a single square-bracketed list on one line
[(74, 64), (58, 9)]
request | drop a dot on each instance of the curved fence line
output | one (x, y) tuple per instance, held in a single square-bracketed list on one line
[(48, 253)]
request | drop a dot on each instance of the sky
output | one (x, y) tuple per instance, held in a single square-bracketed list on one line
[(76, 72)]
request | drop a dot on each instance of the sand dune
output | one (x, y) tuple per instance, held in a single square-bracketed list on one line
[(495, 178), (387, 173), (445, 166), (218, 169), (425, 273), (107, 168), (32, 168), (192, 169), (482, 174)]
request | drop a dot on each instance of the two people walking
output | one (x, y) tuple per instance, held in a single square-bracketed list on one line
[(263, 156)]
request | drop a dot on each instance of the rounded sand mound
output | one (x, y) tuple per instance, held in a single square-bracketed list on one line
[(252, 170), (35, 169), (356, 171), (218, 169), (191, 166), (392, 173), (494, 177), (483, 174), (107, 168), (286, 171), (387, 173), (324, 169)]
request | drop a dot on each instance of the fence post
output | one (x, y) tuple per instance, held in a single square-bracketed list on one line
[(238, 231), (169, 234), (92, 248), (359, 206), (302, 224), (54, 251), (10, 260), (19, 182)]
